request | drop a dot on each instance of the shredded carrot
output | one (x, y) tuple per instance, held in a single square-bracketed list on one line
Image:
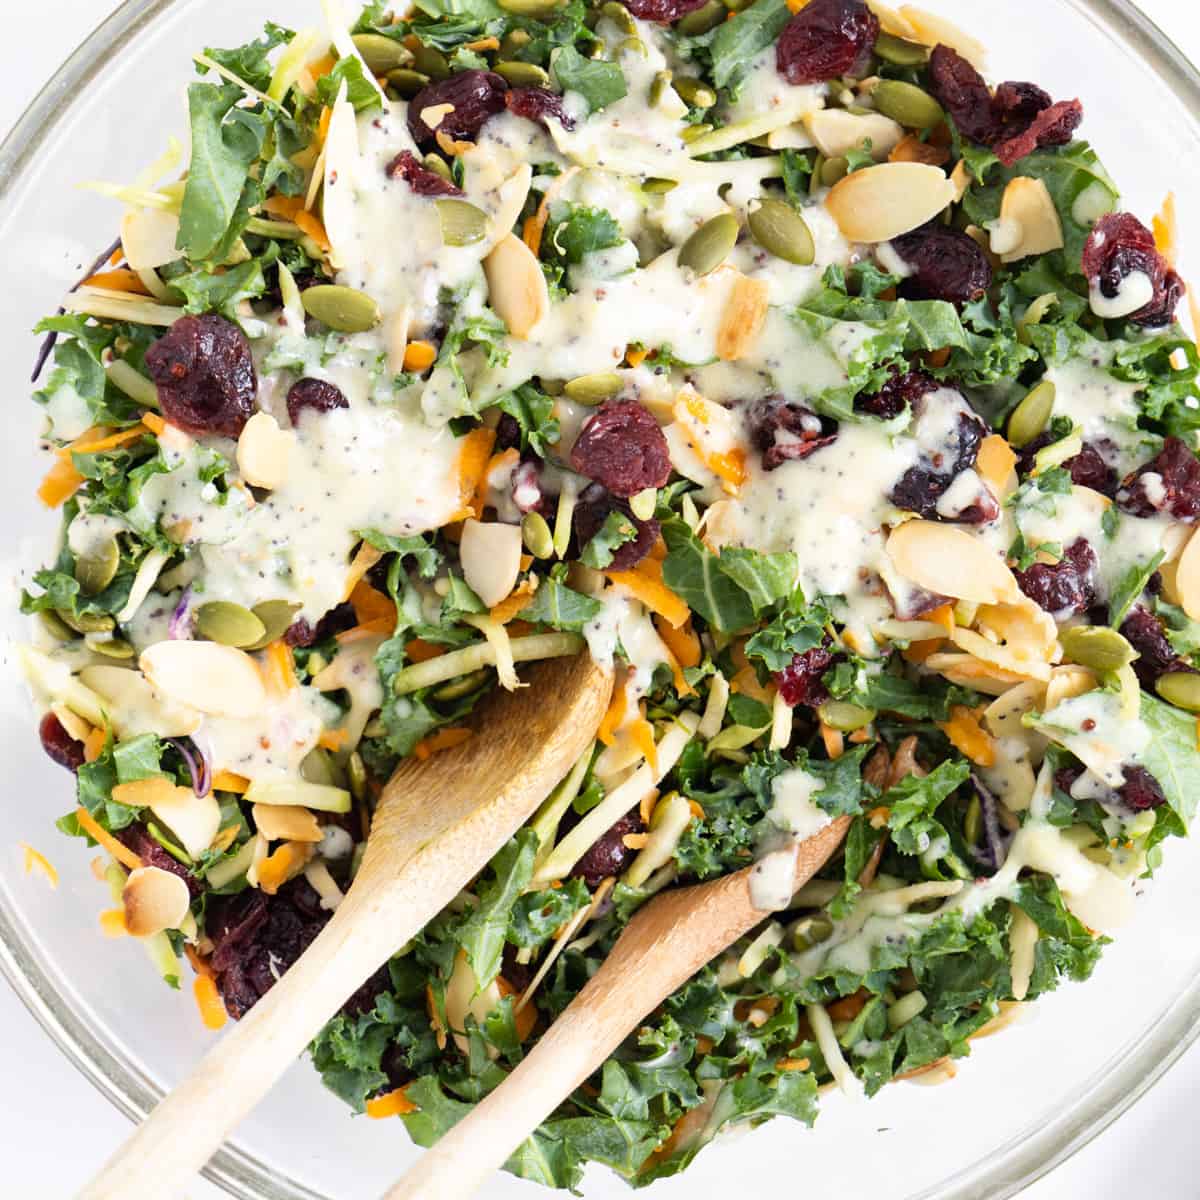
[(420, 651), (918, 652), (516, 600), (995, 461), (646, 583), (360, 633), (848, 1007), (1194, 309), (487, 43), (332, 739), (227, 781), (154, 423), (658, 551), (642, 733), (60, 483), (36, 861), (967, 735), (208, 1001), (793, 1064), (532, 230), (142, 793), (198, 962), (370, 604), (110, 442), (525, 561), (683, 642), (860, 735), (276, 869), (835, 743), (112, 922), (224, 839), (795, 6), (635, 841), (526, 1019), (365, 557), (444, 739), (634, 357), (937, 358), (285, 207), (121, 853), (614, 717), (1166, 230), (943, 616), (694, 413), (419, 356), (93, 745), (473, 455), (681, 684), (322, 66), (278, 670), (391, 1104), (315, 230), (120, 280), (877, 818), (646, 807)]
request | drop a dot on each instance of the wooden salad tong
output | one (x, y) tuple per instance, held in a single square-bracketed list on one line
[(437, 825), (668, 940)]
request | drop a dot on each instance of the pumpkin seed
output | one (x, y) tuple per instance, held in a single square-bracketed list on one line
[(87, 622), (780, 230), (833, 170), (593, 389), (342, 308), (702, 20), (111, 647), (320, 767), (408, 82), (535, 533), (659, 187), (1032, 415), (95, 570), (710, 245), (619, 15), (1180, 688), (908, 104), (522, 74), (1096, 646), (642, 504), (693, 133), (513, 42), (899, 52), (811, 931), (464, 685), (814, 180), (695, 92), (276, 616), (229, 624), (438, 165), (357, 772), (381, 54), (839, 714), (55, 626), (431, 62), (597, 49), (532, 8), (632, 45), (658, 87), (973, 822), (462, 223)]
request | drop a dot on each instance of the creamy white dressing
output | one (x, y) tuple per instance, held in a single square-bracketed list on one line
[(624, 625), (793, 809), (1135, 291), (1098, 731)]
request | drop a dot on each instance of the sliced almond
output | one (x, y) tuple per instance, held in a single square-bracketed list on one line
[(996, 463), (286, 822), (1002, 718), (491, 558), (135, 706), (932, 30), (837, 132), (516, 286), (961, 178), (743, 318), (75, 726), (1003, 658), (1027, 629), (968, 671), (511, 196), (464, 996), (148, 238), (950, 562), (892, 22), (398, 325), (193, 819), (154, 900), (1186, 584), (215, 679), (1027, 212), (434, 114), (1067, 682), (264, 452), (882, 202)]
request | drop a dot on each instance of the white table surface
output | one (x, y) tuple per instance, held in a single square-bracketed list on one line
[(54, 1127)]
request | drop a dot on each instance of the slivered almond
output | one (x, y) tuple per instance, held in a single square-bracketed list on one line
[(1186, 584), (950, 562), (264, 451), (837, 132), (286, 822), (193, 819), (154, 900), (892, 22), (516, 285), (742, 320), (148, 238), (490, 554), (879, 203), (930, 30), (1027, 213), (215, 679)]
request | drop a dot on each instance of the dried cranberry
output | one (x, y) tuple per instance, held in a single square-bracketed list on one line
[(205, 376), (475, 95), (900, 391), (800, 681), (589, 515), (539, 104), (59, 744), (1140, 791), (1169, 483), (946, 265), (314, 394), (623, 448), (1053, 126), (419, 177), (508, 433), (784, 431), (945, 455), (1065, 588), (826, 39), (608, 856), (1088, 469), (1017, 104), (1119, 246), (337, 620), (138, 839), (912, 603), (1156, 656), (662, 11), (963, 93)]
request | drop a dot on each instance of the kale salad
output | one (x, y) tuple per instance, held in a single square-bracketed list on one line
[(764, 350)]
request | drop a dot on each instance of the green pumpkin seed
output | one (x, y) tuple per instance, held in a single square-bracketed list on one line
[(319, 766), (814, 180), (462, 223), (693, 133), (522, 74), (702, 20), (536, 535), (737, 5), (277, 617), (1032, 415), (710, 245), (408, 82), (55, 626), (532, 8), (658, 87), (908, 104), (659, 187), (1180, 688), (1097, 647), (811, 931), (228, 623), (597, 49), (780, 230), (973, 822), (357, 772), (899, 52), (87, 622), (438, 165), (619, 15), (642, 504), (381, 54), (431, 62), (838, 714), (111, 647), (695, 92), (632, 45), (513, 42), (464, 685), (342, 308), (593, 389), (95, 570), (834, 170)]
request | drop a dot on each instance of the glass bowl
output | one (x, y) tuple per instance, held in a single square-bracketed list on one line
[(1022, 1102)]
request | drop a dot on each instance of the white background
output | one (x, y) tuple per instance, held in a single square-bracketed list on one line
[(54, 1127)]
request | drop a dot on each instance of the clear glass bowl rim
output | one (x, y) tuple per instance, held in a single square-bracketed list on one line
[(1004, 1173)]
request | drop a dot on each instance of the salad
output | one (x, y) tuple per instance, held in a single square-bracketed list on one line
[(764, 350)]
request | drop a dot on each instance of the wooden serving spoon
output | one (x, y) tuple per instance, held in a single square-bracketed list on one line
[(663, 946), (437, 825)]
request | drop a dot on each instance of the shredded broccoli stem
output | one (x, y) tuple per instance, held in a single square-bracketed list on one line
[(482, 654)]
